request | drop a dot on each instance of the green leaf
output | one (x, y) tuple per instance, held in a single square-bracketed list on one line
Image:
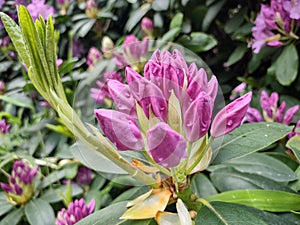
[(249, 138), (176, 21), (269, 200), (39, 212), (52, 195), (202, 186), (52, 178), (236, 55), (15, 102), (263, 165), (227, 178), (198, 42), (171, 35), (92, 159), (159, 5), (227, 214), (108, 215), (16, 36), (236, 21), (294, 144), (211, 13), (137, 16), (5, 206), (131, 194), (286, 65), (13, 217)]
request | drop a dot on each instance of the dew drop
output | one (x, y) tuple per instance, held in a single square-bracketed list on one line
[(266, 135), (229, 123)]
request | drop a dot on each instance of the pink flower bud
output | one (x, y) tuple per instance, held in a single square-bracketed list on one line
[(289, 115), (120, 128), (166, 146), (122, 97), (280, 112), (93, 56), (197, 118), (267, 103), (231, 116), (147, 94), (253, 115), (147, 26)]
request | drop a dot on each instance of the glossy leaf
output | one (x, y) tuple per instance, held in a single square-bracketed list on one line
[(211, 13), (236, 55), (198, 42), (5, 206), (202, 186), (269, 200), (176, 21), (249, 138), (286, 65), (40, 212), (294, 144), (226, 178), (262, 165), (108, 215)]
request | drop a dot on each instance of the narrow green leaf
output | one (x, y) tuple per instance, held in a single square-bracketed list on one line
[(249, 138), (211, 13), (13, 217), (176, 21), (16, 36), (108, 215), (171, 35), (227, 214), (286, 65), (136, 16), (269, 200), (39, 212), (15, 102)]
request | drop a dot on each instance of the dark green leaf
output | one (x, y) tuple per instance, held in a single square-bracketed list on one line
[(39, 212), (235, 22), (108, 215), (227, 214), (236, 55), (198, 42), (226, 178), (294, 144), (269, 200), (286, 65), (263, 165), (249, 138), (212, 12), (202, 186)]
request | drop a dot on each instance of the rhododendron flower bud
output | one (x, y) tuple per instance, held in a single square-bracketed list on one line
[(93, 56), (253, 115), (289, 115), (91, 9), (147, 26), (197, 117), (166, 146), (2, 87), (4, 127), (120, 128), (269, 104), (84, 175), (147, 94), (122, 97), (76, 211), (231, 116), (107, 47)]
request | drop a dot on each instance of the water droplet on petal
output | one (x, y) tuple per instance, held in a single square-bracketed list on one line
[(229, 123)]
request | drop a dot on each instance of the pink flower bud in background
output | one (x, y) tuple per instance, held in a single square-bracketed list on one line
[(120, 128), (93, 57), (231, 116), (2, 87), (289, 115), (107, 47), (197, 117), (91, 9), (4, 127), (84, 175), (39, 7), (269, 104), (147, 26), (238, 90), (166, 146), (76, 211), (253, 115)]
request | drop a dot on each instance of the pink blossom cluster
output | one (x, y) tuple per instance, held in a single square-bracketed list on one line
[(275, 22), (177, 98)]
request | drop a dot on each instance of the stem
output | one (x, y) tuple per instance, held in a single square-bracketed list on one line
[(161, 168), (210, 141)]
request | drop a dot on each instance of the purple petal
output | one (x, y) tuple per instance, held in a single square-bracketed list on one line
[(166, 146), (197, 118), (289, 115), (280, 111), (231, 116), (253, 115), (120, 128)]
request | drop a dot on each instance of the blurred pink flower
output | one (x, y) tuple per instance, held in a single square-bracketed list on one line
[(4, 127), (94, 55), (147, 26), (39, 7)]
